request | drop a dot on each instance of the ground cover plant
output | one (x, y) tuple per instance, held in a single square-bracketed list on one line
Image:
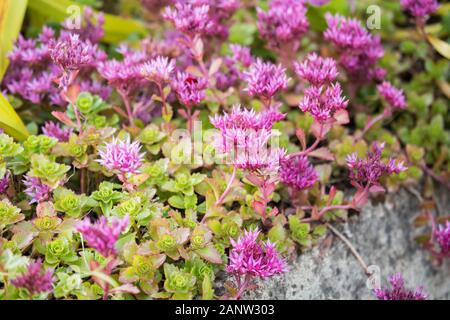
[(181, 149)]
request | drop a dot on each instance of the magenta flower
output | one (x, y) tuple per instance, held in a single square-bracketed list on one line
[(121, 156), (317, 70), (359, 50), (34, 280), (241, 54), (202, 17), (241, 118), (189, 19), (189, 89), (125, 75), (31, 70), (158, 70), (265, 79), (250, 151), (346, 33), (323, 102), (442, 236), (244, 136), (54, 130), (285, 22), (393, 96), (4, 183), (368, 171), (296, 172), (36, 190), (398, 290), (323, 98), (420, 8), (250, 257), (103, 236), (71, 53)]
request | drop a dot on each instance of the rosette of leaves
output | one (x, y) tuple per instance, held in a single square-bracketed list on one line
[(8, 148), (142, 269), (90, 106), (60, 250), (181, 201), (67, 284), (200, 243), (184, 183), (302, 233), (168, 238), (72, 204), (180, 284), (152, 138), (9, 214), (107, 196), (89, 291), (204, 272), (226, 228), (139, 207), (156, 172), (41, 144), (49, 171), (74, 148), (188, 219), (43, 227)]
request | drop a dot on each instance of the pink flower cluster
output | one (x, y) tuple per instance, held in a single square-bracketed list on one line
[(189, 19), (393, 96), (265, 79), (442, 236), (121, 156), (241, 118), (103, 236), (34, 280), (296, 172), (368, 171), (71, 53), (255, 258), (36, 190), (317, 70), (201, 17), (323, 98), (158, 70), (54, 130), (125, 75), (284, 23), (398, 291), (420, 8), (359, 50), (244, 137), (231, 76), (189, 89), (32, 72)]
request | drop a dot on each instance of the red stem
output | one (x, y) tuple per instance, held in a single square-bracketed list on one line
[(372, 122), (228, 188), (127, 104)]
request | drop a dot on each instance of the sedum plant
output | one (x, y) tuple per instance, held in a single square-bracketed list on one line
[(188, 165)]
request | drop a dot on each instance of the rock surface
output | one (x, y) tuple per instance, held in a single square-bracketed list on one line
[(383, 234)]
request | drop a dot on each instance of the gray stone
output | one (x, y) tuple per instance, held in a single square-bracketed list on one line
[(383, 234)]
